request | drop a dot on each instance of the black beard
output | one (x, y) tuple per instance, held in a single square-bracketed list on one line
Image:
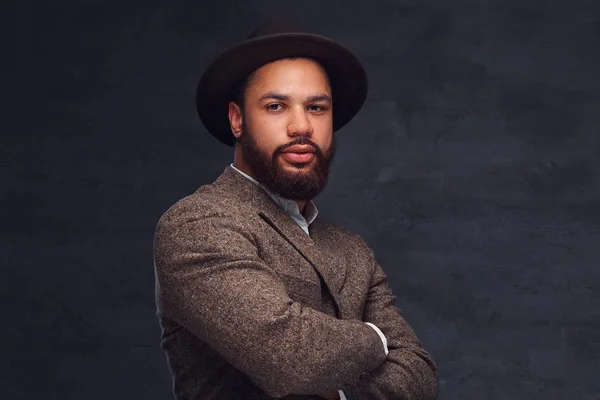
[(298, 185)]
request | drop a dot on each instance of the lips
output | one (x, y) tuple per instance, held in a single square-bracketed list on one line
[(300, 149), (299, 158), (299, 154)]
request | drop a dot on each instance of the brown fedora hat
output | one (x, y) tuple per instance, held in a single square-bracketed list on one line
[(272, 41)]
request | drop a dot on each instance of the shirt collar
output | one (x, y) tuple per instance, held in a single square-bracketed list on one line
[(289, 206)]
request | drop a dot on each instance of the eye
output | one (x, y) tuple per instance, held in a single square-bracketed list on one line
[(274, 107), (316, 107)]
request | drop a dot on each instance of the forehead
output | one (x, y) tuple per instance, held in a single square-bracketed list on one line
[(291, 74)]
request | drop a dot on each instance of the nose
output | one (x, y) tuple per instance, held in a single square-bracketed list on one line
[(299, 124)]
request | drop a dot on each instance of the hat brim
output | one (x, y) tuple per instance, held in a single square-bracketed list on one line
[(347, 76)]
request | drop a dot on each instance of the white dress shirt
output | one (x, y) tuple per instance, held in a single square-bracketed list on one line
[(311, 212)]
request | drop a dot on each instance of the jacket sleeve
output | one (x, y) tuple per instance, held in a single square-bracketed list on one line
[(409, 372), (211, 280)]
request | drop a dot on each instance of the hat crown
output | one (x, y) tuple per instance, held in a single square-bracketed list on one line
[(274, 27)]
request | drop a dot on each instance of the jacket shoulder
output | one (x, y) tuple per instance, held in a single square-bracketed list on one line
[(207, 201), (340, 233)]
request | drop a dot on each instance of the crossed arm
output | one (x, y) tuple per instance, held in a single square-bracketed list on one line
[(211, 280), (409, 372)]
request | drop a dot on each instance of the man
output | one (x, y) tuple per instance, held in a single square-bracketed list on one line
[(258, 297)]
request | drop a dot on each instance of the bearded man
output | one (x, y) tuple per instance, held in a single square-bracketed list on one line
[(258, 297)]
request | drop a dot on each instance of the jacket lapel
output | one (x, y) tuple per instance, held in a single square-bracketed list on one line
[(324, 262), (311, 250)]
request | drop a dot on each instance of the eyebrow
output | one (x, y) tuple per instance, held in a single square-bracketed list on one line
[(281, 97)]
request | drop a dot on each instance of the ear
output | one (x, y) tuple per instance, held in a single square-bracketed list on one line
[(235, 119)]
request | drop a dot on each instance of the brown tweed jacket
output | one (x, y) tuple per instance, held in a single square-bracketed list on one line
[(253, 308)]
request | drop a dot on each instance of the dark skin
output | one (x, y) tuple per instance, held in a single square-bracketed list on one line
[(286, 99)]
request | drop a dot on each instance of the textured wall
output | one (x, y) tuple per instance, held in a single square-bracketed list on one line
[(473, 172)]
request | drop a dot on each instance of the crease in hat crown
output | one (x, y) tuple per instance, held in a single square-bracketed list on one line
[(271, 41)]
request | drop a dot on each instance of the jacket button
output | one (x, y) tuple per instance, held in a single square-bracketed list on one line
[(365, 375)]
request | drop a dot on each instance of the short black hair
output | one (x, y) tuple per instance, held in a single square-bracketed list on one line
[(239, 90)]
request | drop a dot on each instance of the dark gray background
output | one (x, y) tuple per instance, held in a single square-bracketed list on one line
[(472, 171)]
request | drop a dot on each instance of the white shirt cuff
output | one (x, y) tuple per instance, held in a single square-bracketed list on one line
[(381, 335)]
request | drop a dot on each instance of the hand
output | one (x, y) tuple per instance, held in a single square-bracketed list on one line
[(330, 395)]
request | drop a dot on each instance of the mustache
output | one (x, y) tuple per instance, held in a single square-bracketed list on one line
[(300, 141)]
